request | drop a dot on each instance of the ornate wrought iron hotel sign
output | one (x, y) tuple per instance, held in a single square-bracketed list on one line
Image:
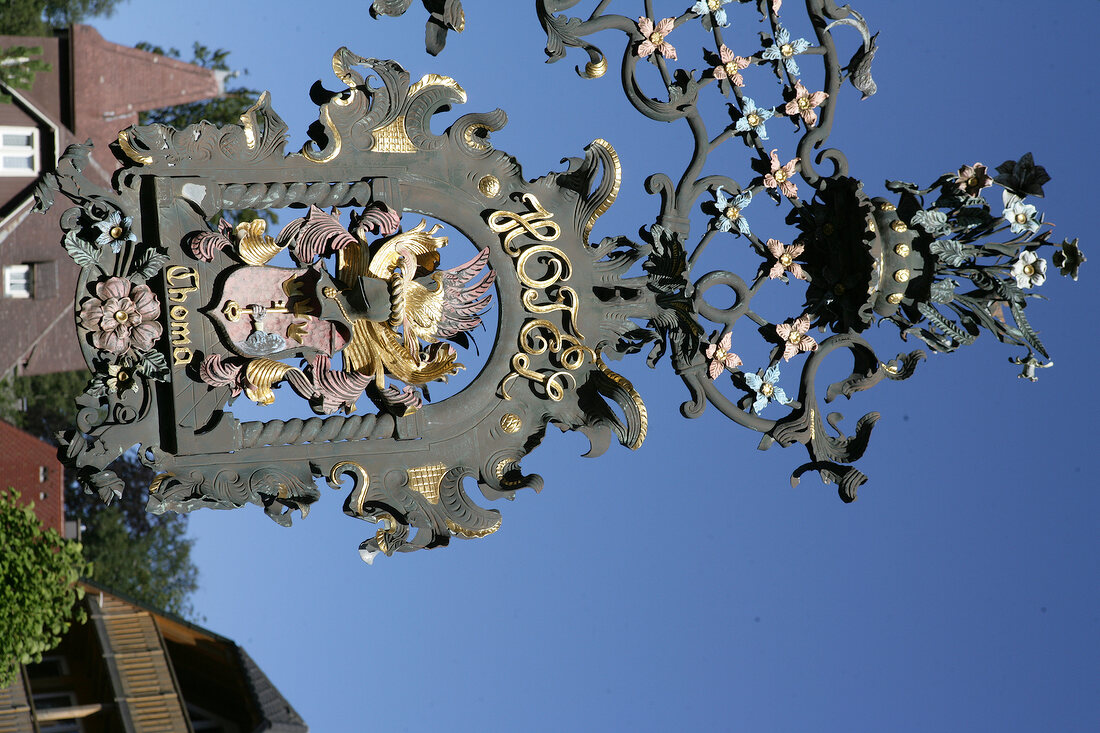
[(180, 313)]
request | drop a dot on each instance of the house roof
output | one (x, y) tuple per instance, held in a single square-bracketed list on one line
[(95, 89), (268, 706)]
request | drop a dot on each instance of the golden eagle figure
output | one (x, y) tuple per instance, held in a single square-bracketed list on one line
[(394, 297)]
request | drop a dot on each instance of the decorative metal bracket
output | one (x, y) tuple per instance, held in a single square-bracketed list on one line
[(180, 314)]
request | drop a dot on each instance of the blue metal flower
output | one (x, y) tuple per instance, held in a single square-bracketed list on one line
[(115, 231), (784, 50), (766, 389), (1021, 217), (753, 118), (730, 217), (714, 9)]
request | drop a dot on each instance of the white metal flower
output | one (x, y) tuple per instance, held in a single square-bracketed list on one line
[(1030, 270)]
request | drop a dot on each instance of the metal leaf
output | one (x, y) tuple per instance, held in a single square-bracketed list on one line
[(83, 254), (153, 364), (148, 265), (1026, 330)]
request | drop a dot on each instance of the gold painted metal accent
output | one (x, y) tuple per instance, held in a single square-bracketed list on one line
[(392, 138), (388, 524), (489, 186), (813, 424), (513, 225), (344, 74), (362, 484), (254, 246), (901, 276), (334, 135), (887, 206), (248, 120), (297, 331), (903, 249), (262, 374), (895, 298), (612, 194), (233, 310), (425, 481), (891, 369), (437, 80), (376, 348), (539, 336), (899, 226), (472, 534), (595, 69), (871, 226), (132, 152), (472, 140), (418, 241), (511, 422), (159, 479), (636, 398)]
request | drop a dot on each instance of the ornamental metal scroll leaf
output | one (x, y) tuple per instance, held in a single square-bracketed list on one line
[(178, 318), (863, 260)]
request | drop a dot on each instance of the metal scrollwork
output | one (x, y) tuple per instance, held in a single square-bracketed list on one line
[(180, 315), (860, 260)]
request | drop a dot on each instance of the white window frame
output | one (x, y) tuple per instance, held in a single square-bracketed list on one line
[(20, 150), (18, 281)]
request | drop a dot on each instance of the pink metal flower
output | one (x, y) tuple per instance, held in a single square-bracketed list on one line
[(794, 336), (972, 179), (780, 176), (731, 66), (720, 358), (653, 37), (122, 317), (804, 103), (784, 259)]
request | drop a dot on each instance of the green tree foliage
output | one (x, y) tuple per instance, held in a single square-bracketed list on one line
[(38, 586), (63, 13), (146, 556), (224, 110), (23, 18), (18, 67), (153, 566), (38, 17)]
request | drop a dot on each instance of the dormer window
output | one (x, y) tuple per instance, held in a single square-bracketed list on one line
[(18, 151)]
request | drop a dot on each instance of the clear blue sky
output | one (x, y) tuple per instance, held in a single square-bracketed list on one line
[(686, 585)]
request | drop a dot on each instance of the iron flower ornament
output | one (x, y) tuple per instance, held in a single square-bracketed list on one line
[(181, 313)]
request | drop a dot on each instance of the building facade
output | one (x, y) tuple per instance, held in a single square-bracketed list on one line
[(30, 466), (132, 669), (95, 89)]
